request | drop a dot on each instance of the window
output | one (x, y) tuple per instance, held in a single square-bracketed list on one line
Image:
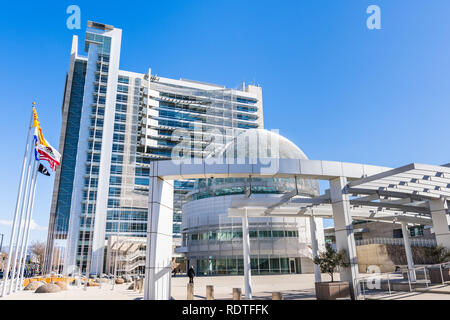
[(97, 146), (117, 158), (114, 192), (119, 127), (93, 182), (121, 107), (397, 233), (114, 180), (142, 172), (122, 88), (93, 157), (416, 231), (122, 98), (120, 117), (101, 100), (98, 110), (264, 234), (278, 234), (113, 203), (116, 169), (118, 137), (123, 79), (117, 147), (141, 181)]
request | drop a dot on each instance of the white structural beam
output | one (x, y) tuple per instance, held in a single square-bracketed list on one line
[(282, 168), (256, 208), (246, 257), (409, 256), (158, 263), (344, 232), (441, 221), (314, 247)]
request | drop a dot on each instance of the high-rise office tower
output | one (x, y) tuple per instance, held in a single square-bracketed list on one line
[(114, 122)]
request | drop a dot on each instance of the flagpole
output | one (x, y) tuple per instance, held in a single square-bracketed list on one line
[(18, 200), (25, 200), (21, 240), (23, 253)]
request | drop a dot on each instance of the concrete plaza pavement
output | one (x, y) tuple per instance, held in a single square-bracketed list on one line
[(298, 286), (293, 287)]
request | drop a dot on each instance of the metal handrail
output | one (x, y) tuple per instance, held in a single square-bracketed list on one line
[(132, 256), (363, 279), (130, 267), (397, 241)]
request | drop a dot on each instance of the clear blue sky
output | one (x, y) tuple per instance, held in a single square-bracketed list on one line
[(337, 89)]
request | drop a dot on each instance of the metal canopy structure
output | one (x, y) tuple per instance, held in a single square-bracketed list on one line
[(408, 188), (413, 194), (396, 195)]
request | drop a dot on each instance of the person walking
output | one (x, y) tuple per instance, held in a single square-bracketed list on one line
[(191, 274)]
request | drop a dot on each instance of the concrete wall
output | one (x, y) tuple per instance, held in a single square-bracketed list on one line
[(386, 257), (307, 265), (374, 254), (373, 229)]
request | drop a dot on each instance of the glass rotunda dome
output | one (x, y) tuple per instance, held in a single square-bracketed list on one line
[(247, 147)]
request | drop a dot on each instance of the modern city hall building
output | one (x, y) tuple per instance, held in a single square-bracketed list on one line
[(115, 122)]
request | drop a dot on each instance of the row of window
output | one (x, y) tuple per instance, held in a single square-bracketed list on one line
[(259, 265), (135, 215), (230, 235), (126, 227)]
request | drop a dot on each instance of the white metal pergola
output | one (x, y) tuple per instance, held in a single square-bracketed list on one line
[(413, 194)]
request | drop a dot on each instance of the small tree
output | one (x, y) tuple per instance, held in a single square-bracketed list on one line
[(38, 250), (438, 254), (329, 260)]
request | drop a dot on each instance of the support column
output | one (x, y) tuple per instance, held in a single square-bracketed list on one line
[(158, 258), (344, 232), (247, 266), (315, 247), (409, 256), (441, 221)]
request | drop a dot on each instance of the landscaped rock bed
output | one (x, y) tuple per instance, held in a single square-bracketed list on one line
[(48, 288), (33, 285)]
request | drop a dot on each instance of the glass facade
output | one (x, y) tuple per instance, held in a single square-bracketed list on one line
[(143, 114), (234, 265), (93, 155), (65, 186)]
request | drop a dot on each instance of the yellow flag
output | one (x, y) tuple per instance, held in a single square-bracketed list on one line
[(40, 135)]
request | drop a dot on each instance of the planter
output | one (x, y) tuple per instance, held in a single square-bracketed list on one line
[(435, 275), (332, 290)]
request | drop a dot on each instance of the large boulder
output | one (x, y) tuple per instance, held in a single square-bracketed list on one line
[(48, 288), (120, 281), (34, 285), (62, 285)]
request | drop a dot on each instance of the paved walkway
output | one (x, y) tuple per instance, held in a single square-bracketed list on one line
[(298, 286), (293, 287)]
